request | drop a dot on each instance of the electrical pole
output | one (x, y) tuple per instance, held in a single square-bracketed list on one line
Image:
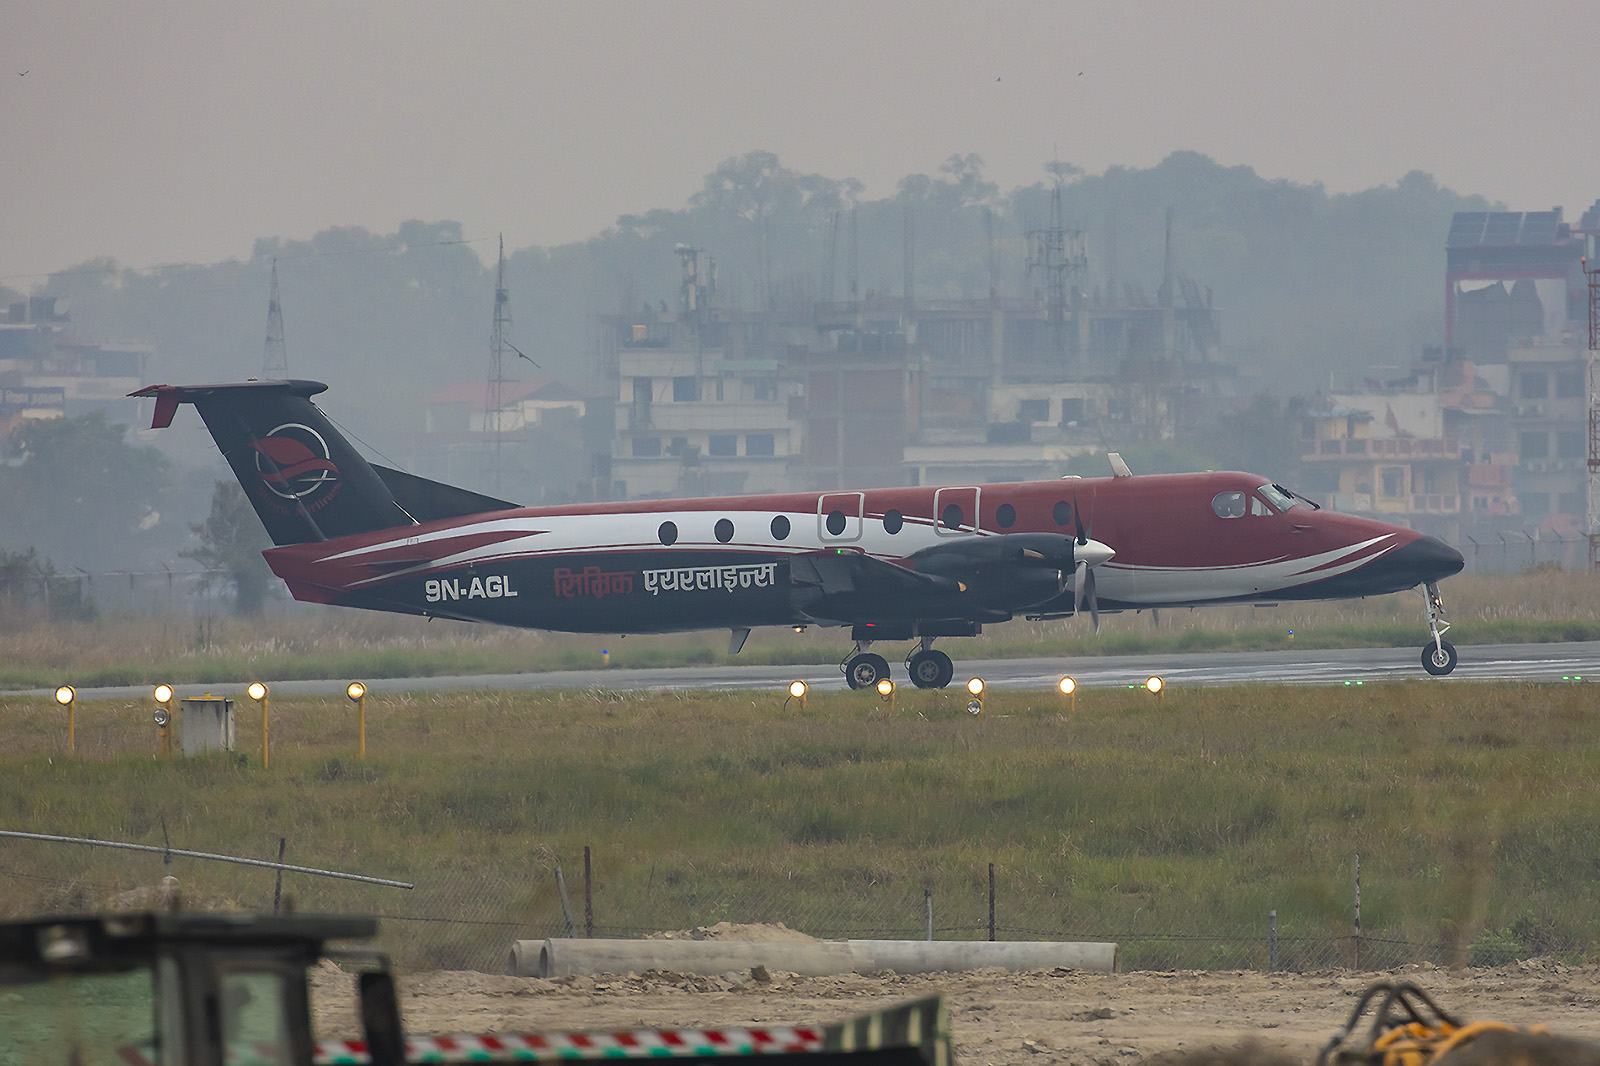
[(1058, 255), (493, 413), (276, 364), (1591, 273)]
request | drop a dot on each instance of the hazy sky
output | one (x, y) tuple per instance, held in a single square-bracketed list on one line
[(161, 132)]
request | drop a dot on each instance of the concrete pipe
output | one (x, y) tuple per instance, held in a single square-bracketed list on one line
[(563, 957)]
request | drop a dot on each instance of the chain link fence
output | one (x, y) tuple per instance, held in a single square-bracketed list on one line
[(465, 916)]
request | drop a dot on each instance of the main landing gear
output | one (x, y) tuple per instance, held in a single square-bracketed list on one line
[(1438, 655), (928, 668), (864, 669)]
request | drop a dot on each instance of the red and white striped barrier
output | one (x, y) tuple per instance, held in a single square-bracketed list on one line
[(550, 1047)]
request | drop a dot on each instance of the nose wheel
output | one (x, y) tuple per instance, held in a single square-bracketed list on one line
[(1438, 655)]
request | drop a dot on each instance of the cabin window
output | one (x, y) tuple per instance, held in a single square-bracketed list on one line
[(1005, 516), (893, 521), (1061, 512), (723, 530), (836, 522), (951, 516), (1228, 504), (780, 528), (668, 533)]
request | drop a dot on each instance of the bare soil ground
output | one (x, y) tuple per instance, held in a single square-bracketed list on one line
[(997, 1017)]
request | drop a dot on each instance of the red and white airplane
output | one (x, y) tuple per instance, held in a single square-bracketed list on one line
[(893, 564)]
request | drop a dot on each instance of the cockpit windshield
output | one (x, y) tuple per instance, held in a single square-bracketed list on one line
[(1281, 499)]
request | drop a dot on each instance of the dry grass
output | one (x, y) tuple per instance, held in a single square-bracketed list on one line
[(1470, 805)]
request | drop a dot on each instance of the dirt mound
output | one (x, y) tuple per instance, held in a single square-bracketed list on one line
[(754, 933)]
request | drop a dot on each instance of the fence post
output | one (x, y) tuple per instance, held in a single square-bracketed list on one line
[(1272, 941), (991, 901), (1358, 911), (566, 908), (927, 898), (588, 897), (277, 889)]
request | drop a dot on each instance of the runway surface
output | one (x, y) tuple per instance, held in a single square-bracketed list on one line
[(1578, 661)]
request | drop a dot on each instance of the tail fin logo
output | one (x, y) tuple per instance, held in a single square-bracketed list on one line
[(293, 462)]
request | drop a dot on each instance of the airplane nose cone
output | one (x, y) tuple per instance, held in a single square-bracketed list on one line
[(1431, 558), (1093, 553)]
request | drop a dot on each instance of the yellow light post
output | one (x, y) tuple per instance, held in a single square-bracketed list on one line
[(259, 692), (1156, 687), (797, 691), (358, 694), (163, 695), (1069, 689), (886, 688), (975, 704), (66, 695)]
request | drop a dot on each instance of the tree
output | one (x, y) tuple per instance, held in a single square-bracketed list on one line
[(78, 490), (231, 541)]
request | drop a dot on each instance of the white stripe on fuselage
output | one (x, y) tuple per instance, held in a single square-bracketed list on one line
[(1165, 584), (545, 535)]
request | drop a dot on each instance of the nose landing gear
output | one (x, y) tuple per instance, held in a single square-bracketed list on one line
[(1438, 655)]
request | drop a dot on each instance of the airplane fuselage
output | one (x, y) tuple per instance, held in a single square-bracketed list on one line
[(659, 566)]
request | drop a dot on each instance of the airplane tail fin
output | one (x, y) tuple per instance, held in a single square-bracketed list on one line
[(306, 482)]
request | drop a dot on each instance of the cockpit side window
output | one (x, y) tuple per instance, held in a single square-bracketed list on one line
[(1258, 507), (1277, 497), (1229, 504)]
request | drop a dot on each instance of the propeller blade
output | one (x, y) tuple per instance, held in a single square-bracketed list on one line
[(1079, 578), (1094, 604)]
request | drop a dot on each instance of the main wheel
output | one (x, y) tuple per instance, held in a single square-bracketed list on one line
[(1440, 660), (865, 670), (930, 669)]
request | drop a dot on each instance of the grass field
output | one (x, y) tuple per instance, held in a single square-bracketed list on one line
[(1171, 829), (322, 642)]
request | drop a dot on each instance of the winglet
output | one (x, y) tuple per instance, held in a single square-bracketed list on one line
[(1118, 467)]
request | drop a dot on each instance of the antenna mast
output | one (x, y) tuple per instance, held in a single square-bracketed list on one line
[(1058, 255), (276, 364), (494, 403)]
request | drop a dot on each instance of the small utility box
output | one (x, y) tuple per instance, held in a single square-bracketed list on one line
[(207, 724)]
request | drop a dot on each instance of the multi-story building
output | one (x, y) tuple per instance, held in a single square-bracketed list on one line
[(701, 410), (1384, 455), (1549, 428)]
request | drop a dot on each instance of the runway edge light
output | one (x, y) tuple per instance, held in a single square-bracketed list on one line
[(975, 687), (358, 693), (259, 692), (797, 691), (1156, 687), (163, 696), (66, 695), (1068, 687)]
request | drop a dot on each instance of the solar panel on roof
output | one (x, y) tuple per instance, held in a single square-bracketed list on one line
[(1466, 228)]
